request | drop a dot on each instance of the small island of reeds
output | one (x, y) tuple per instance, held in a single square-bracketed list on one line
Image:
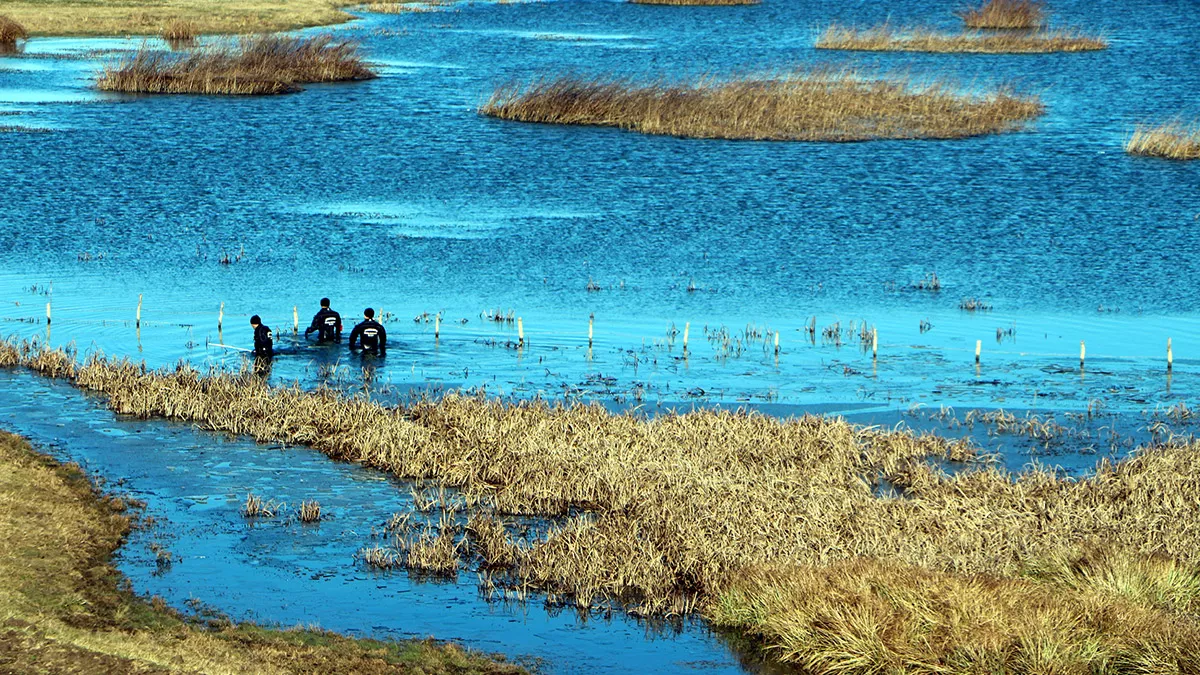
[(815, 105), (889, 39), (269, 64), (1005, 14), (1171, 140)]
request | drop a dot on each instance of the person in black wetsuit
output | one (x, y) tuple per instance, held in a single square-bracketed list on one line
[(369, 334), (327, 323), (263, 339)]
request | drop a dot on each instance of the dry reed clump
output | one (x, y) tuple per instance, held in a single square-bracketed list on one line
[(888, 39), (309, 511), (817, 105), (869, 616), (255, 507), (181, 31), (11, 31), (269, 64), (417, 6), (676, 513), (1005, 14), (698, 3), (1171, 140)]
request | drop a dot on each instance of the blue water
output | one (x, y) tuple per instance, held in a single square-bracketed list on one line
[(394, 193)]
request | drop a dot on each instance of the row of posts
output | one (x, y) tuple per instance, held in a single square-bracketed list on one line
[(437, 329)]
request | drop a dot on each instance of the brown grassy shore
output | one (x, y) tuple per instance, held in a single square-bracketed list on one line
[(772, 527), (268, 64), (147, 17), (887, 38), (1005, 14), (1171, 140), (806, 106), (63, 608)]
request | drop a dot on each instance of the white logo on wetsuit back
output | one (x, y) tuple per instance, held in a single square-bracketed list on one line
[(370, 332), (330, 321)]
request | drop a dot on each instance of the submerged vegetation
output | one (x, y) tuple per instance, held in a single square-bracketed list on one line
[(779, 528), (887, 38), (1005, 14), (1171, 140), (64, 608), (816, 105), (268, 64)]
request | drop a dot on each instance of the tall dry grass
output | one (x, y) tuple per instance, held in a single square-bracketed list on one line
[(269, 64), (11, 31), (744, 518), (180, 30), (817, 105), (1171, 140), (1005, 14), (888, 38)]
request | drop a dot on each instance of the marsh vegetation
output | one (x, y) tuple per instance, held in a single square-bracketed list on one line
[(1005, 14), (1170, 140), (268, 64), (813, 105), (11, 32), (743, 518), (889, 38)]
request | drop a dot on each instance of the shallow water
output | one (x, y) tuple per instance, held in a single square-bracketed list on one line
[(395, 193)]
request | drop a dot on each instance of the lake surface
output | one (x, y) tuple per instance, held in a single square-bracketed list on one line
[(395, 194)]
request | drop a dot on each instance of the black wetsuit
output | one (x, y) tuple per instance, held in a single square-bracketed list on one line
[(328, 325), (263, 341), (370, 335)]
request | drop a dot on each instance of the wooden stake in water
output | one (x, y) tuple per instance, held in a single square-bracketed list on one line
[(1082, 353), (776, 343), (687, 326), (221, 316), (978, 348), (139, 311), (437, 326), (591, 321), (520, 332), (295, 319), (1170, 356), (874, 342), (47, 314)]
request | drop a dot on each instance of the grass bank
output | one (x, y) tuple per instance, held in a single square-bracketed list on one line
[(778, 528), (887, 38), (806, 106), (1171, 140), (150, 17), (267, 64), (63, 608)]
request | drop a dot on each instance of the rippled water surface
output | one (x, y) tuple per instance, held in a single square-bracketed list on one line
[(396, 194)]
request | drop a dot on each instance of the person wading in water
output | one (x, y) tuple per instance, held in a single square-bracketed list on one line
[(327, 324), (369, 334)]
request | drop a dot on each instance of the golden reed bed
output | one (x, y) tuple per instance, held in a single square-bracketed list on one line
[(772, 527), (806, 106), (1005, 14), (1170, 140), (266, 64), (887, 38)]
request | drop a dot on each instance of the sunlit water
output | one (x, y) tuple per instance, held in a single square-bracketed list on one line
[(395, 193)]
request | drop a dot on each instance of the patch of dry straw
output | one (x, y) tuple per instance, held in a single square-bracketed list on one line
[(889, 39), (816, 105)]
